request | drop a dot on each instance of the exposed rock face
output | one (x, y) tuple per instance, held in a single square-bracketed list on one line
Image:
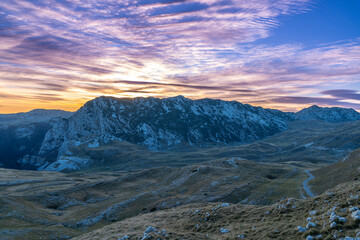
[(334, 114), (68, 163), (163, 123)]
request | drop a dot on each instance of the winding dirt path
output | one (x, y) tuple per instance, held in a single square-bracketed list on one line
[(306, 184)]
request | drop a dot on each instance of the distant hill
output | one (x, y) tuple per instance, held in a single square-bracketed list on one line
[(36, 115), (21, 136), (334, 114)]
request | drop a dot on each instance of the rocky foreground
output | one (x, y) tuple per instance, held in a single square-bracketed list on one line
[(332, 215)]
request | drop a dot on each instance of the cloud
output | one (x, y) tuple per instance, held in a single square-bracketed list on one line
[(183, 7), (45, 43), (317, 101), (199, 87), (42, 97), (343, 94), (76, 50)]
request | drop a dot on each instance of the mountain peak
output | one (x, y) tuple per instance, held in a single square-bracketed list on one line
[(314, 107), (330, 114), (179, 97)]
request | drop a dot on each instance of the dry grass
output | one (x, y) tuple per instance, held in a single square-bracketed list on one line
[(56, 203), (138, 188), (335, 174), (256, 222)]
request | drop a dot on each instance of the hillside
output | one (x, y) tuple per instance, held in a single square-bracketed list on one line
[(343, 171), (186, 202), (42, 204), (332, 215)]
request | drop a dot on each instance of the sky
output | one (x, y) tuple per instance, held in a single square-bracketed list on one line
[(284, 54)]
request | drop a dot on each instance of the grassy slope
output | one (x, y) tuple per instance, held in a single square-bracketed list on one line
[(278, 221), (39, 209), (330, 143), (340, 172)]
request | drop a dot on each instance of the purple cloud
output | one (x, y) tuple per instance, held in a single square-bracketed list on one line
[(317, 101), (198, 48), (343, 94)]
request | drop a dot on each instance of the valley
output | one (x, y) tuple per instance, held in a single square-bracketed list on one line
[(76, 202), (94, 182)]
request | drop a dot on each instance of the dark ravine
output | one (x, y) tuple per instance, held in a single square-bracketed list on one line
[(22, 134)]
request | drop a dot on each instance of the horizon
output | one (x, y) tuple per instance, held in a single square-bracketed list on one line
[(56, 109), (285, 55)]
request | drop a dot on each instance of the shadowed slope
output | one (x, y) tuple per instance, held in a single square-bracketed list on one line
[(345, 170)]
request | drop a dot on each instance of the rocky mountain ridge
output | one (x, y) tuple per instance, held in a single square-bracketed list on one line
[(334, 114), (158, 124), (162, 124)]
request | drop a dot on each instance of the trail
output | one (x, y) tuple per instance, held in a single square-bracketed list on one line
[(306, 185)]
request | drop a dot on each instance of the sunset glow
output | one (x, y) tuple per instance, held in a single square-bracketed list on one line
[(61, 53)]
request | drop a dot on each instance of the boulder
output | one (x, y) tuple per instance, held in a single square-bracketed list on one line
[(150, 229), (224, 230), (342, 219), (301, 229), (356, 215), (333, 225), (311, 225)]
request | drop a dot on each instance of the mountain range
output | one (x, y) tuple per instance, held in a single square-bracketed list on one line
[(51, 139)]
